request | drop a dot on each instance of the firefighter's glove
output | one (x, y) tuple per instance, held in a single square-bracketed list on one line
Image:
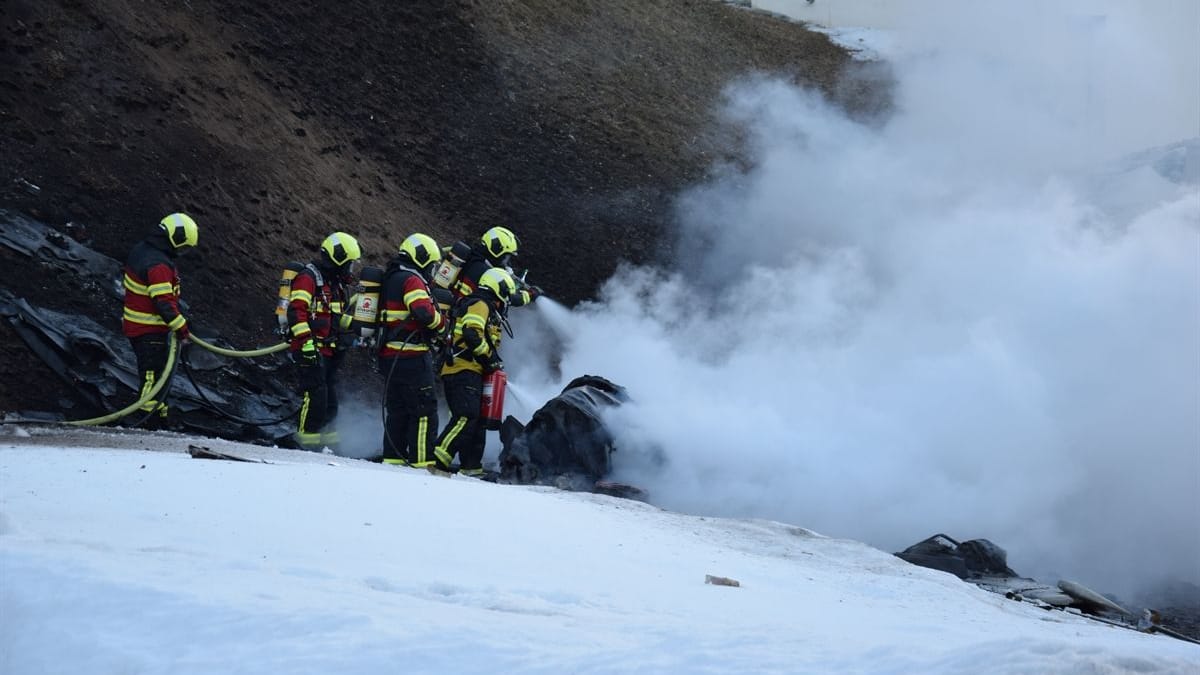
[(182, 334), (309, 354), (535, 292), (492, 362), (472, 339)]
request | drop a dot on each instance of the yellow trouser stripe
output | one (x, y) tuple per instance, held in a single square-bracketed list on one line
[(397, 462), (308, 441), (304, 413), (152, 404), (442, 450), (147, 385), (422, 430)]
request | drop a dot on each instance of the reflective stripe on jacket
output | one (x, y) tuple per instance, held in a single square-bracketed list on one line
[(408, 314), (314, 312), (151, 291), (481, 319)]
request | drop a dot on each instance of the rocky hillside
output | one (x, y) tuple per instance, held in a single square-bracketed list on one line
[(573, 123)]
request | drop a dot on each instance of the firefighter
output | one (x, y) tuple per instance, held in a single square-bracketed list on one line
[(411, 324), (316, 318), (474, 345), (495, 249), (152, 301)]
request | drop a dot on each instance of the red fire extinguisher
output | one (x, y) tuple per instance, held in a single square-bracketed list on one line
[(492, 401)]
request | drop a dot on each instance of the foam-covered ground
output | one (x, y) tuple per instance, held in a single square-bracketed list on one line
[(121, 553)]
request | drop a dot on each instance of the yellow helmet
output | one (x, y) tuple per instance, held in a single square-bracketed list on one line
[(341, 248), (499, 282), (500, 241), (181, 230), (421, 249)]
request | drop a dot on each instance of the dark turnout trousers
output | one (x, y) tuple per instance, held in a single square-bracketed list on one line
[(465, 434), (319, 403), (410, 405), (151, 353)]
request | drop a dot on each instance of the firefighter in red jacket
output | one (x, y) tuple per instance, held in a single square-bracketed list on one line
[(152, 300), (495, 249), (474, 345), (411, 324), (316, 317)]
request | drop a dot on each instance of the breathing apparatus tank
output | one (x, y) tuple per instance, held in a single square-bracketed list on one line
[(366, 304), (290, 271), (491, 409), (447, 271)]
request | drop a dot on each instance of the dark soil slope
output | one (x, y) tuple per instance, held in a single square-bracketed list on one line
[(573, 123)]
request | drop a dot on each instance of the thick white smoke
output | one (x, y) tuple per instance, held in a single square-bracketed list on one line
[(937, 324)]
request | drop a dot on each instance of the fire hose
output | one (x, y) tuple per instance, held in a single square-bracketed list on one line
[(214, 408), (243, 354), (168, 370), (163, 382), (237, 354)]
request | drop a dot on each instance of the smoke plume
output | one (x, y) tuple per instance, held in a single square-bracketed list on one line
[(970, 318)]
